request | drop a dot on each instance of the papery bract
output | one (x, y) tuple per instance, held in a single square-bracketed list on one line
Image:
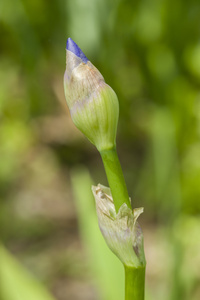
[(121, 230)]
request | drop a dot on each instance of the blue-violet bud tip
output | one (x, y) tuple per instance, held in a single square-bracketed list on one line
[(74, 48)]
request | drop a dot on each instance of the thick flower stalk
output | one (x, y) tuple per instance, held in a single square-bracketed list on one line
[(94, 110), (124, 237)]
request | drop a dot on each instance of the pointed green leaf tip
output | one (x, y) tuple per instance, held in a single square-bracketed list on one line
[(93, 104)]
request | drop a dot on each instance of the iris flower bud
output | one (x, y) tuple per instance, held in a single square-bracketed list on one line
[(92, 103), (121, 230)]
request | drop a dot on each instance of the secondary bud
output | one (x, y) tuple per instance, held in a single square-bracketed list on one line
[(121, 230), (93, 104)]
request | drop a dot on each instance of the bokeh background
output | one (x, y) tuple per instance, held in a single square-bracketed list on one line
[(149, 52)]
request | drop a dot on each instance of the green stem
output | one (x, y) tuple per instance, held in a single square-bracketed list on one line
[(134, 283), (115, 178)]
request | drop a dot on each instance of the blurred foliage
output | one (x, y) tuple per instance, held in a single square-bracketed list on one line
[(106, 267), (149, 52), (16, 283)]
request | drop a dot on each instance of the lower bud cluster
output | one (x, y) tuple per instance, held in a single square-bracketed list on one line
[(121, 230)]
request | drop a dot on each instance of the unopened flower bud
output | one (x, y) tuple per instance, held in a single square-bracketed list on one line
[(121, 230), (93, 104)]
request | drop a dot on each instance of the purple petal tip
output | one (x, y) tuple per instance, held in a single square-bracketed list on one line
[(74, 48)]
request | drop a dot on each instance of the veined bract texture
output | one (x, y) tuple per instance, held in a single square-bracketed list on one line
[(92, 103)]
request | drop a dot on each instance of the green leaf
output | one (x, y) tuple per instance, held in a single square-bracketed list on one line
[(16, 283), (107, 269)]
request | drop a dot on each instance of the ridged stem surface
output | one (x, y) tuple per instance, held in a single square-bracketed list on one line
[(134, 283), (115, 178)]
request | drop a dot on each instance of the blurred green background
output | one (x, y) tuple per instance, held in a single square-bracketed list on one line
[(149, 52)]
